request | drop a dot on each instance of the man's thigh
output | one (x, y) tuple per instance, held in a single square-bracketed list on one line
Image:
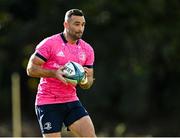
[(78, 120), (83, 127), (50, 118), (75, 112)]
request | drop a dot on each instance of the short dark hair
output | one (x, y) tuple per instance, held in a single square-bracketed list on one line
[(72, 12)]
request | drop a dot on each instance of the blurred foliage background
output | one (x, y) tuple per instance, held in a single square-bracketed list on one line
[(136, 42)]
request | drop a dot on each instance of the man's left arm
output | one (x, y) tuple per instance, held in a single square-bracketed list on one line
[(87, 82)]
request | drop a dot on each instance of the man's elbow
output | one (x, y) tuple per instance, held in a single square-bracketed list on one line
[(29, 72)]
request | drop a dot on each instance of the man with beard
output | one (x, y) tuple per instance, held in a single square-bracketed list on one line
[(56, 100)]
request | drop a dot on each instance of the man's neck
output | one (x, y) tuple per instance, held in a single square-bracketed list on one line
[(68, 38)]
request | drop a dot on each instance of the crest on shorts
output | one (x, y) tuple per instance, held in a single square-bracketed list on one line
[(47, 126)]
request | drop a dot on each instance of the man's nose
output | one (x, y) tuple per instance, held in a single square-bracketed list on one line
[(81, 28)]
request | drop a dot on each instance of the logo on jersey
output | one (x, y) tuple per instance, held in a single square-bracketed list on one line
[(60, 54), (56, 65), (82, 56), (47, 126)]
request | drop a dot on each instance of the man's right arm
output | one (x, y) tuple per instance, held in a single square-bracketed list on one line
[(34, 69)]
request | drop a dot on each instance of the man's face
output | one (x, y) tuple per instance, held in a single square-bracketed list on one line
[(75, 27)]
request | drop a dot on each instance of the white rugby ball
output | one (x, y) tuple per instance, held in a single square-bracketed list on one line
[(73, 71)]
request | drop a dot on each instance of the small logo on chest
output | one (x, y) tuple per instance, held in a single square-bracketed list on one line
[(82, 56), (60, 54)]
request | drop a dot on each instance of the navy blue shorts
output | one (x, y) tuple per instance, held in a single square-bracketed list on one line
[(51, 117)]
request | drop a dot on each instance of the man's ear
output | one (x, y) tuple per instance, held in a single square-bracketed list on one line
[(66, 25)]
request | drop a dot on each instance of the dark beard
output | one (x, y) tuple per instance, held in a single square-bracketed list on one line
[(76, 36)]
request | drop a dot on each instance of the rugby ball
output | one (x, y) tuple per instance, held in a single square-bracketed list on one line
[(73, 72)]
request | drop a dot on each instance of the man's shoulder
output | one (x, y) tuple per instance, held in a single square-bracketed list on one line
[(48, 41), (53, 37), (84, 43)]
